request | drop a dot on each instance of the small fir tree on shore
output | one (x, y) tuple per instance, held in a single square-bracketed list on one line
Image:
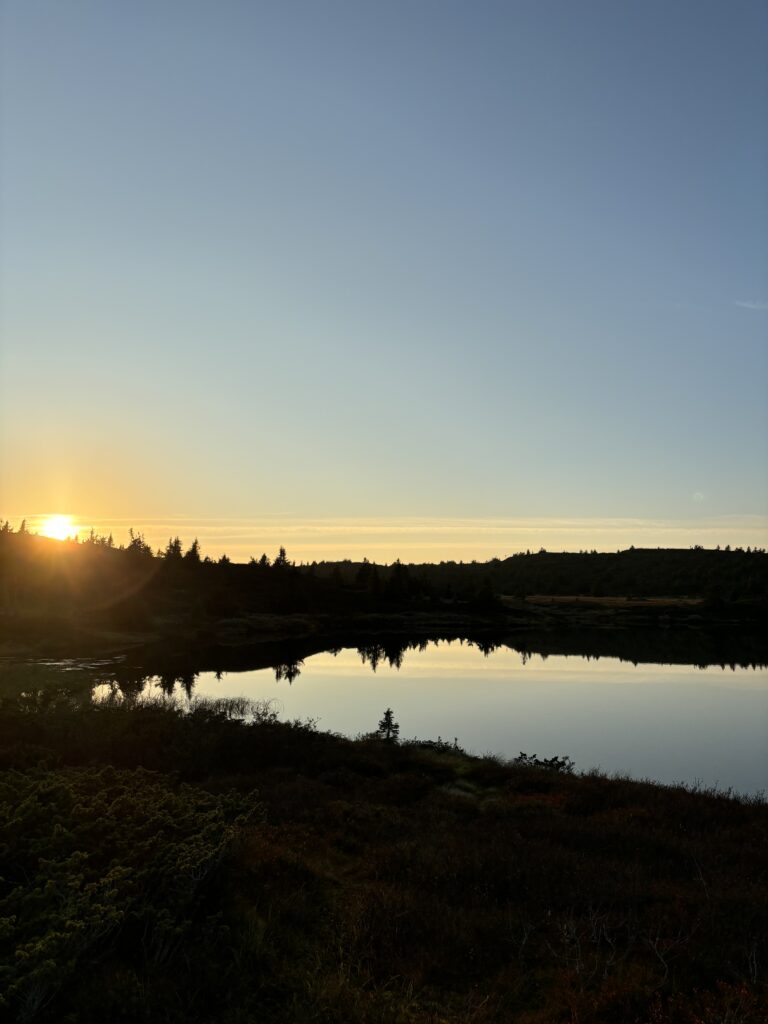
[(389, 729)]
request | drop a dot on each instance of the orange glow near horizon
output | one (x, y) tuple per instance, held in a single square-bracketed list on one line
[(58, 527), (411, 539)]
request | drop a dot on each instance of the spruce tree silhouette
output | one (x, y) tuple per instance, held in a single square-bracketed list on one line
[(192, 557), (173, 549), (389, 729), (281, 562)]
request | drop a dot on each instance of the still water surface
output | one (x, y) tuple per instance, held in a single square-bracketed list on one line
[(670, 723)]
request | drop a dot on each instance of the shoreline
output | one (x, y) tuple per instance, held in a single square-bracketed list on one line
[(671, 632)]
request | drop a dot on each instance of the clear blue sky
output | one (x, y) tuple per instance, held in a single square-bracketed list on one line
[(413, 258)]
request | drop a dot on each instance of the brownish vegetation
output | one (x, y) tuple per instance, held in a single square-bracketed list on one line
[(618, 601), (367, 881)]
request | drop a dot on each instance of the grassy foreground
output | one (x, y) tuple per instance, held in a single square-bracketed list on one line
[(222, 866)]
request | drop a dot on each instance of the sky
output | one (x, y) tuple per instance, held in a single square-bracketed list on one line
[(359, 261)]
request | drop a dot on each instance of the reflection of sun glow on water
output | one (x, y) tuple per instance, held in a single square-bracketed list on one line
[(58, 527), (463, 660), (664, 722)]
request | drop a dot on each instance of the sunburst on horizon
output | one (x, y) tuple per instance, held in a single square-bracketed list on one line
[(58, 527)]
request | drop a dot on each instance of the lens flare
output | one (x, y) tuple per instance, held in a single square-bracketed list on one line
[(58, 527)]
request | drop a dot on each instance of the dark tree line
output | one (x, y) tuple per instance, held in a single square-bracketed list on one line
[(723, 575), (131, 586)]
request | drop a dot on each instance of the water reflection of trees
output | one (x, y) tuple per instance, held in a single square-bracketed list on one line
[(288, 670), (48, 685), (393, 651), (185, 683), (375, 654)]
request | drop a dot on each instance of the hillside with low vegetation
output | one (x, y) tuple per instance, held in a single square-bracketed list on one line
[(218, 864)]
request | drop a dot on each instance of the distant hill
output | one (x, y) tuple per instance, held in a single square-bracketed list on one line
[(712, 574)]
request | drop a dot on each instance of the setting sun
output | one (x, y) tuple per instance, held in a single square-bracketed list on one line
[(58, 527)]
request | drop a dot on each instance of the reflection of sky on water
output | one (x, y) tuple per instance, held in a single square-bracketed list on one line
[(666, 722)]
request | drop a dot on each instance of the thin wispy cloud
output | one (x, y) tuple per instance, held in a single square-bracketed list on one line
[(751, 304)]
